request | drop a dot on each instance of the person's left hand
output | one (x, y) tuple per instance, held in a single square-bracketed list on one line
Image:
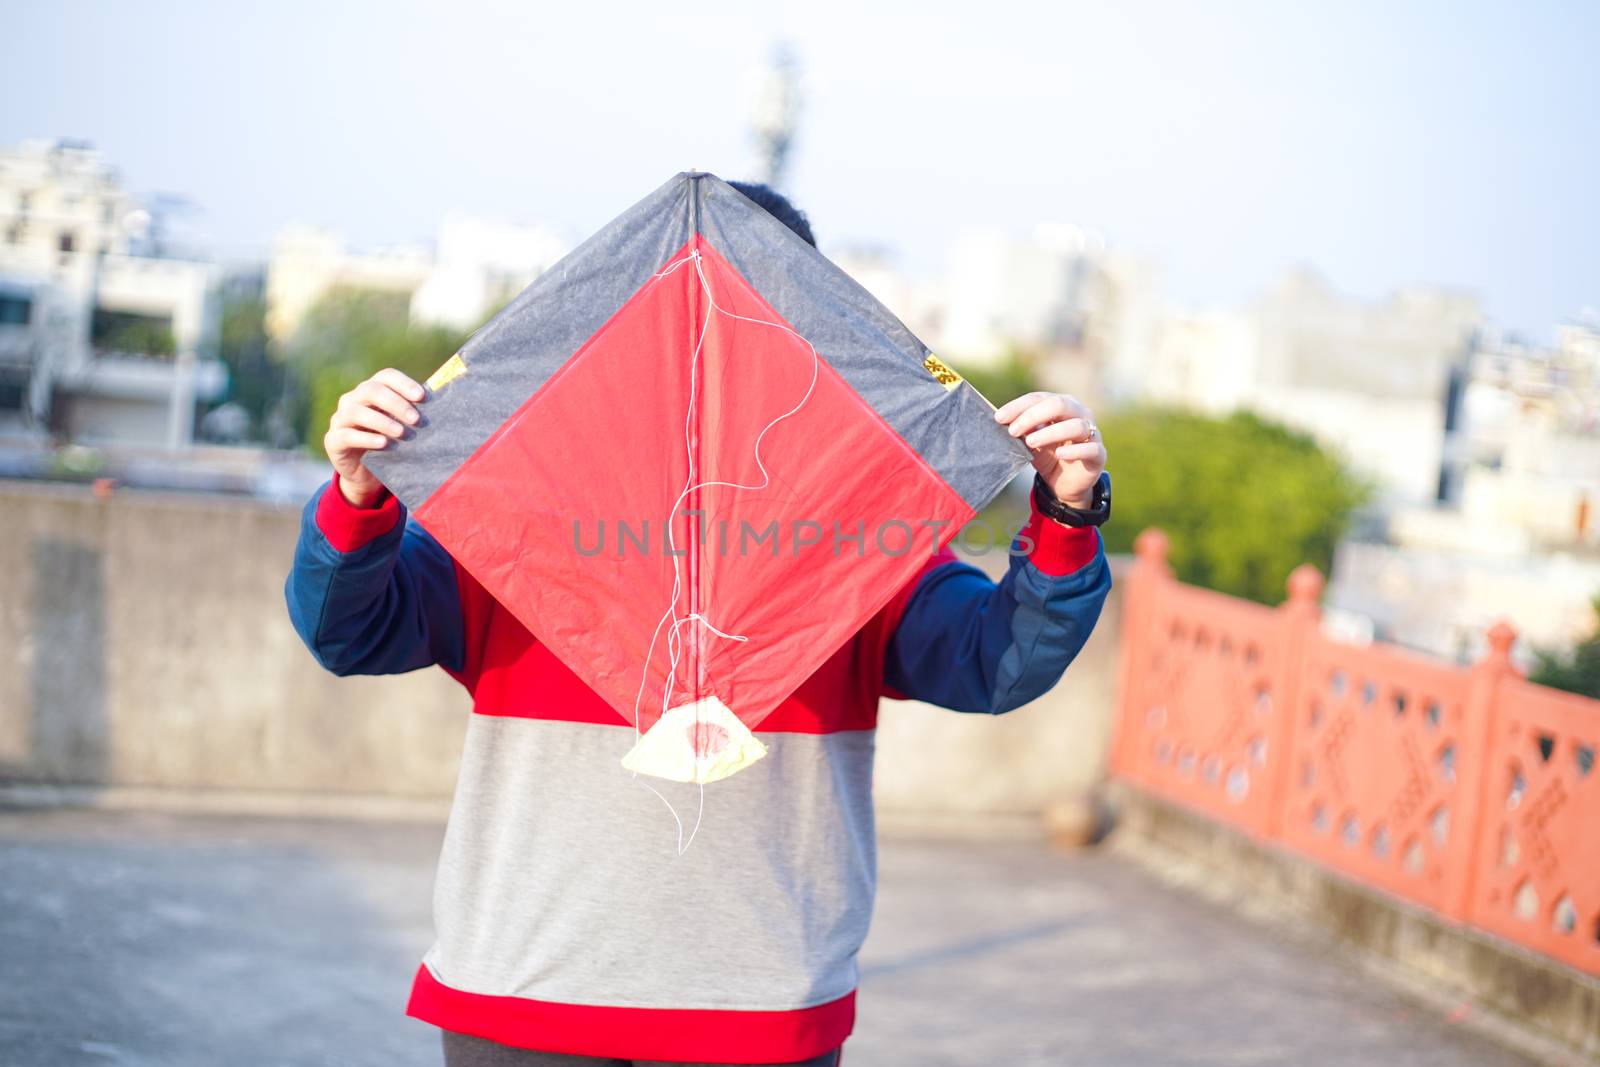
[(1066, 446)]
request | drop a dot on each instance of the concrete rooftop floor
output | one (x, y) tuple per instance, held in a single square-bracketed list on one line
[(152, 939)]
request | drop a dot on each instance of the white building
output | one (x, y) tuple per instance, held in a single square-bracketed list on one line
[(97, 343), (308, 263), (1002, 291), (1526, 439), (913, 302), (1514, 534), (1084, 317), (476, 266), (1370, 380), (479, 265), (1120, 321)]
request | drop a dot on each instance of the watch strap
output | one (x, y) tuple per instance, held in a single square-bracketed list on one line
[(1094, 515)]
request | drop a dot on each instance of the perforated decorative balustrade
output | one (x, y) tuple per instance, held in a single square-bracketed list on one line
[(1467, 790)]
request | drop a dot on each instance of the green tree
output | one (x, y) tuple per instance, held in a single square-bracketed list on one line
[(1243, 500), (1576, 671), (350, 335)]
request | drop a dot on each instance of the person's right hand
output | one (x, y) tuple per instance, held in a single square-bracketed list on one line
[(367, 417)]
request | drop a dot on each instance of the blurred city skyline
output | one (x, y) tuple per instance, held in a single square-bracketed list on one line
[(1446, 146)]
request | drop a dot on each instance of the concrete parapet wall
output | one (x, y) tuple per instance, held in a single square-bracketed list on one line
[(144, 642), (144, 645)]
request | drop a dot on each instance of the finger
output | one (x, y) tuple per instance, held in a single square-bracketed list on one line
[(353, 410), (1052, 408), (365, 418), (375, 394), (1081, 451), (350, 439), (1057, 433), (402, 383), (1006, 413)]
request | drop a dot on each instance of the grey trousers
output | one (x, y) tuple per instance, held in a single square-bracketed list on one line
[(464, 1050)]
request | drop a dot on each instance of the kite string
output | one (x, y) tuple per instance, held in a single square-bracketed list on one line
[(674, 637), (677, 585), (674, 634), (677, 577)]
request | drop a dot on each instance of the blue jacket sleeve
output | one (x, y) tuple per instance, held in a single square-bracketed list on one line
[(971, 644), (373, 605)]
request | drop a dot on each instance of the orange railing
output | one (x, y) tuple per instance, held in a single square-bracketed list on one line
[(1467, 790)]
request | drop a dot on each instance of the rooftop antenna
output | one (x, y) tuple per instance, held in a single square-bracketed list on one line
[(776, 112)]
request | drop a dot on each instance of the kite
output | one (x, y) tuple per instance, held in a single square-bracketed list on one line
[(693, 458)]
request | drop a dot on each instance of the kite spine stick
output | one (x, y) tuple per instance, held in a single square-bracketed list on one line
[(696, 564)]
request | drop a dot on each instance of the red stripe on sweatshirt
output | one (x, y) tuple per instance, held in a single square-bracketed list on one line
[(511, 673), (687, 1035)]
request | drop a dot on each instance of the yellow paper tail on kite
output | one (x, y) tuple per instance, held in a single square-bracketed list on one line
[(448, 371), (699, 742)]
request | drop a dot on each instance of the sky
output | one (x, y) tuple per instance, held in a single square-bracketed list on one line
[(1382, 144)]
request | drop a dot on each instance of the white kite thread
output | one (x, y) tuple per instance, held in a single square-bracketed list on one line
[(674, 633)]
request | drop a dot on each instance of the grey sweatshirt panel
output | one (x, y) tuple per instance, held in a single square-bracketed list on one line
[(764, 911)]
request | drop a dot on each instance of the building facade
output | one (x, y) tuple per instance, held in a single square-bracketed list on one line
[(1369, 379), (1525, 438), (100, 343), (475, 266)]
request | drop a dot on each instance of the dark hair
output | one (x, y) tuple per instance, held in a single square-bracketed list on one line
[(778, 207)]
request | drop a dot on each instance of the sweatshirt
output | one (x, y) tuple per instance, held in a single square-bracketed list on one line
[(566, 918)]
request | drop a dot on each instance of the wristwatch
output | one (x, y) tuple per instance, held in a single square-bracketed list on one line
[(1098, 511)]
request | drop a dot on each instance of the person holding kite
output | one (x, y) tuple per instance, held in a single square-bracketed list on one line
[(677, 518)]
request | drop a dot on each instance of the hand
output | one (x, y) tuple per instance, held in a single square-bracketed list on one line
[(1066, 446), (367, 417)]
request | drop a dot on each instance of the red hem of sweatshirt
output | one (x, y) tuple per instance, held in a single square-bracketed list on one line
[(348, 527), (688, 1035)]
